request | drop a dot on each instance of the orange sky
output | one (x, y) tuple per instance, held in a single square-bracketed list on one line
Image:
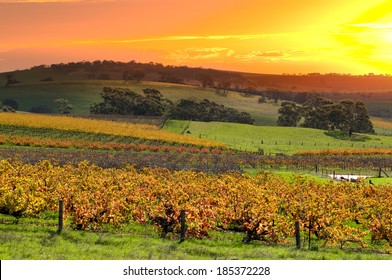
[(280, 36)]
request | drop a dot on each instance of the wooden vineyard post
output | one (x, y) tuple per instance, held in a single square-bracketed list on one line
[(310, 228), (380, 170), (297, 235), (183, 226), (61, 215)]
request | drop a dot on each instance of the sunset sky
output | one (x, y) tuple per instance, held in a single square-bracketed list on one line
[(280, 36)]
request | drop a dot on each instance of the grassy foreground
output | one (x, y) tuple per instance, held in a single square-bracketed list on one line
[(37, 239)]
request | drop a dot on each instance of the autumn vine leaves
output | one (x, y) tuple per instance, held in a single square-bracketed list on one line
[(263, 207)]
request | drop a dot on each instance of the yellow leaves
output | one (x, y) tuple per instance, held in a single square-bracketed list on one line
[(265, 206), (5, 166), (142, 131)]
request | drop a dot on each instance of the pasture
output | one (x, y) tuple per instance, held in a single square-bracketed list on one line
[(83, 93), (276, 140)]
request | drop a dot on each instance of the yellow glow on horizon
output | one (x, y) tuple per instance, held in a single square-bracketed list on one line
[(368, 39), (281, 36)]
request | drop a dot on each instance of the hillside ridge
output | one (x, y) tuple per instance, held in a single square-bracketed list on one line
[(115, 70)]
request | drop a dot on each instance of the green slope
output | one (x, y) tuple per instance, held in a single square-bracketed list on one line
[(82, 93), (274, 139)]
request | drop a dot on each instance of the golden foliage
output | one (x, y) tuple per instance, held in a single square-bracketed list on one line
[(264, 207), (142, 131)]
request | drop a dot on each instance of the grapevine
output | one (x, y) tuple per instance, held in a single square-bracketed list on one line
[(263, 207)]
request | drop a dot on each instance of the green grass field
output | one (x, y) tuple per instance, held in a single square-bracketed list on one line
[(287, 140), (83, 93), (318, 178), (37, 239), (382, 126)]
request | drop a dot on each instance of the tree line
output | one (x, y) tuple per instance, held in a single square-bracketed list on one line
[(123, 101), (322, 113), (132, 70)]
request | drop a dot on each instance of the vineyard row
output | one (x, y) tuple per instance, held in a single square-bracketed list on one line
[(263, 207)]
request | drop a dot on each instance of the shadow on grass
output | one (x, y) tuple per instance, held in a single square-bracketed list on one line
[(51, 239), (341, 135)]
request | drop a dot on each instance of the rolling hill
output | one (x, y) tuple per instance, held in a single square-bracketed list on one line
[(274, 140), (83, 93), (82, 82)]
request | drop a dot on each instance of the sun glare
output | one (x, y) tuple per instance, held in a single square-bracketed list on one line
[(250, 35), (367, 39)]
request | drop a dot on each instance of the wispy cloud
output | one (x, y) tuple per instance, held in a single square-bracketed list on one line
[(182, 38), (373, 25), (227, 54), (199, 54), (273, 56)]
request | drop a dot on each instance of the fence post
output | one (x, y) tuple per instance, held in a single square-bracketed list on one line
[(310, 228), (61, 215), (297, 235), (183, 226)]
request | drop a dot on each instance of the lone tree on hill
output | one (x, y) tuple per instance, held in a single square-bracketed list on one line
[(224, 85), (137, 74), (205, 80), (65, 106)]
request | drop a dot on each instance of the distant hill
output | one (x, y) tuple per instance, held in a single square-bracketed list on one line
[(81, 82), (156, 72)]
